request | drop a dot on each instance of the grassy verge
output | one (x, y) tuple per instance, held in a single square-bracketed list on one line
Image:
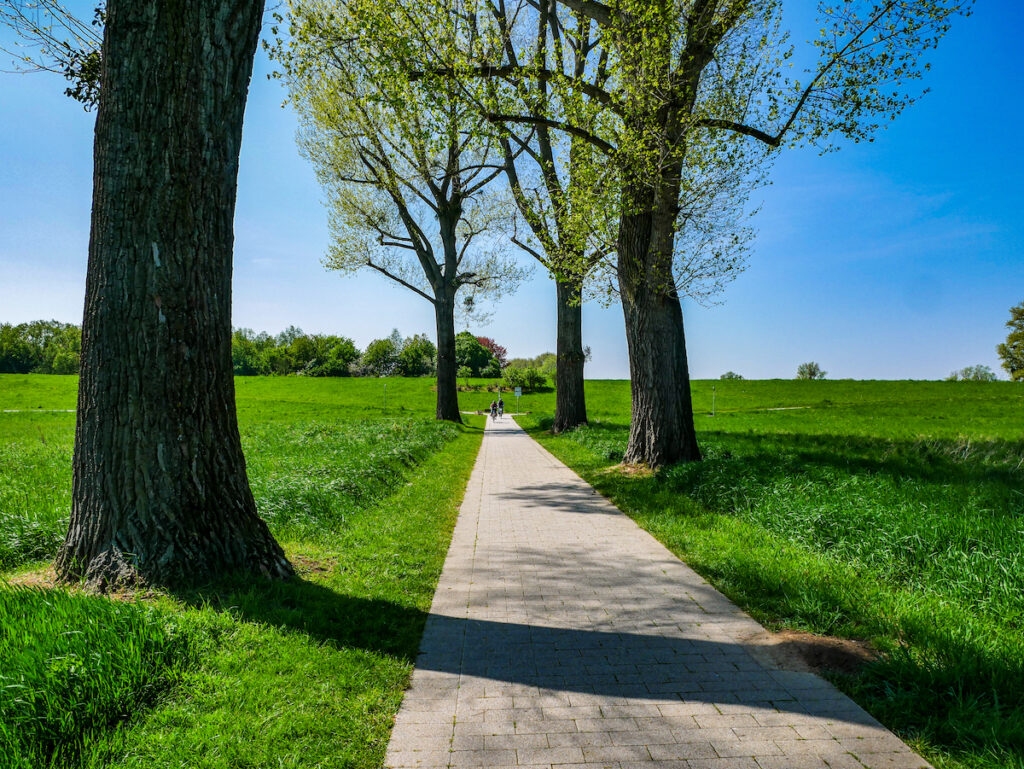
[(72, 666), (311, 672), (912, 543), (242, 673)]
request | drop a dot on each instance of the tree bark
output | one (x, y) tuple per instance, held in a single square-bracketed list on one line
[(570, 401), (160, 492), (661, 427), (447, 368)]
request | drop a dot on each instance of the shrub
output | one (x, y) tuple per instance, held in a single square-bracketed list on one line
[(530, 379), (731, 375), (977, 373), (470, 353), (810, 370)]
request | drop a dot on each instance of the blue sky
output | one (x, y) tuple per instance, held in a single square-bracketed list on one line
[(897, 259)]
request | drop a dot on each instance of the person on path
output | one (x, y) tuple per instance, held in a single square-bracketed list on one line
[(494, 410), (501, 406)]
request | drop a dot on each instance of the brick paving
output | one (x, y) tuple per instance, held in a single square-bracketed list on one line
[(563, 635)]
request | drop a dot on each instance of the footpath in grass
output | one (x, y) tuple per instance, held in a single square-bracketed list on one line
[(872, 519), (241, 673)]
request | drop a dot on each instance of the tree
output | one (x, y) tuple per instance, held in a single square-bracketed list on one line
[(1012, 350), (406, 170), (380, 358), (17, 355), (249, 352), (530, 379), (977, 373), (810, 370), (731, 375), (40, 347), (500, 353), (55, 40), (418, 357), (695, 102), (334, 356), (471, 354), (563, 187), (160, 492)]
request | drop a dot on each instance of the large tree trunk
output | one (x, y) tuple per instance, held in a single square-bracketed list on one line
[(570, 401), (160, 492), (447, 368), (661, 428)]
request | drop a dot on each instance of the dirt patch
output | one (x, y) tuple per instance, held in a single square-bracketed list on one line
[(45, 577), (305, 564), (809, 653), (632, 471)]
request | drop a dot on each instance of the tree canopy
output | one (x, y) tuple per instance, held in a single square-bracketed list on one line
[(1012, 350)]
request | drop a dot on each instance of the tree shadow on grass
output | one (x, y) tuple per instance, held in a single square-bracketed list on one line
[(942, 461), (317, 610), (762, 458)]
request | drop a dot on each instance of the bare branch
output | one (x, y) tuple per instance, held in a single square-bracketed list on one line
[(729, 125), (599, 12), (397, 279), (598, 142)]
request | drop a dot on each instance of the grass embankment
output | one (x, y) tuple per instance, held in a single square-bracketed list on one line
[(241, 673), (891, 512)]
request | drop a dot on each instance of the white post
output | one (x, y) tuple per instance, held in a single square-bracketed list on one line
[(712, 400), (385, 397)]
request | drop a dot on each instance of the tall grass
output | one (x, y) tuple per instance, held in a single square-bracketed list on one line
[(308, 478), (72, 665), (244, 672)]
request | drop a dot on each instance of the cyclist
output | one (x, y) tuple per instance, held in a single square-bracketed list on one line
[(501, 406), (494, 410)]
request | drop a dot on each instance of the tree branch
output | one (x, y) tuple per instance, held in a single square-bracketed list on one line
[(519, 72), (729, 125), (831, 63), (599, 12), (397, 279), (598, 142)]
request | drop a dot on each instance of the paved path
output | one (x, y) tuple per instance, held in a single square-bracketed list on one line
[(563, 635)]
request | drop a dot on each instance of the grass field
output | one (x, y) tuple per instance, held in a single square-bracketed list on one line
[(886, 511), (303, 674)]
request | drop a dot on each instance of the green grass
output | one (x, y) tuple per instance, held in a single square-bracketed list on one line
[(307, 673), (887, 511), (70, 666)]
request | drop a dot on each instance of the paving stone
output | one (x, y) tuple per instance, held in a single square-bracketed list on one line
[(488, 758), (791, 762), (560, 755), (683, 750), (617, 753), (563, 636)]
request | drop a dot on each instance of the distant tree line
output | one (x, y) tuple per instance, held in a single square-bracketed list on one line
[(51, 347), (293, 352), (977, 373), (40, 347)]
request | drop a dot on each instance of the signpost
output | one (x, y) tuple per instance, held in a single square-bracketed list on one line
[(519, 392)]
